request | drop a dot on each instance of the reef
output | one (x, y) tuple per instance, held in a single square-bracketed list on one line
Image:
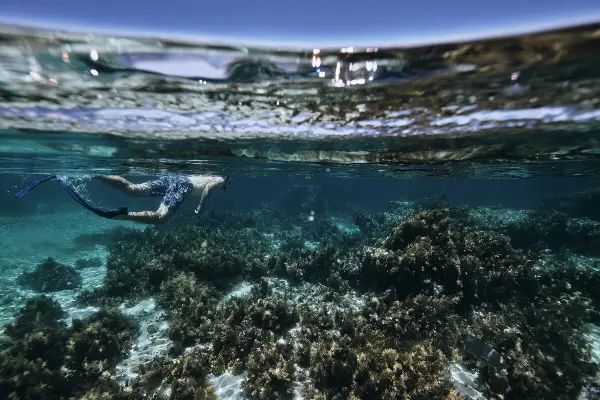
[(192, 304), (377, 311), (183, 378), (582, 204), (51, 276), (137, 267), (556, 231), (41, 358), (99, 342)]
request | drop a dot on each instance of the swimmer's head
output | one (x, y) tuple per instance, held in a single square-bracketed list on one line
[(226, 182)]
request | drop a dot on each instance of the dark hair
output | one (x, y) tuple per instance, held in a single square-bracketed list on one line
[(227, 180)]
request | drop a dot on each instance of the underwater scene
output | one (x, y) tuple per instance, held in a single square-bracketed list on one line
[(190, 221)]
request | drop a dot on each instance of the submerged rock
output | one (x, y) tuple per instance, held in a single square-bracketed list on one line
[(99, 342), (40, 358), (39, 313), (51, 276)]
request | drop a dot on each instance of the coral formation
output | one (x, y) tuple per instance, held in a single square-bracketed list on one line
[(556, 231), (192, 304), (38, 346), (99, 342), (183, 378), (138, 266), (50, 276), (426, 274), (37, 314)]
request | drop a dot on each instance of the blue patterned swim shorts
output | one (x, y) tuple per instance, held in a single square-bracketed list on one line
[(173, 188)]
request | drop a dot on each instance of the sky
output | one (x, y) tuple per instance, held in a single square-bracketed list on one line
[(309, 23)]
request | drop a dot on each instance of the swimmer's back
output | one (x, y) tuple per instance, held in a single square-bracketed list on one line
[(201, 181)]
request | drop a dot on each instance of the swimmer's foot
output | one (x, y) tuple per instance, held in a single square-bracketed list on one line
[(116, 213)]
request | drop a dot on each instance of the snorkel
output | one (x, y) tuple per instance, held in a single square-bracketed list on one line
[(226, 182)]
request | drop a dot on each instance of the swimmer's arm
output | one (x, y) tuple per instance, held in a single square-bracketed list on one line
[(205, 194)]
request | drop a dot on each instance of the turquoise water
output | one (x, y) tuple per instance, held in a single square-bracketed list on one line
[(400, 223)]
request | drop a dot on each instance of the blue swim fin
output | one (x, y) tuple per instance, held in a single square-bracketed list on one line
[(33, 184), (98, 211)]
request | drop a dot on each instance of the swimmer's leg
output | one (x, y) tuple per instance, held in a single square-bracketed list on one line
[(148, 217), (33, 184), (176, 192), (123, 185)]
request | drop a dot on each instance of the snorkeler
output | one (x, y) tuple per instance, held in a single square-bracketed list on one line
[(172, 188)]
